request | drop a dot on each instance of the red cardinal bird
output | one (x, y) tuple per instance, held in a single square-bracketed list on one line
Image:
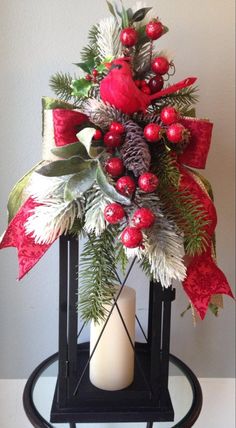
[(119, 89)]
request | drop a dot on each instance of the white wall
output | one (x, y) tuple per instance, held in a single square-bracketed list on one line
[(38, 38)]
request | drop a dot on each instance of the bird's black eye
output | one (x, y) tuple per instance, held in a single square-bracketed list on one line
[(119, 66)]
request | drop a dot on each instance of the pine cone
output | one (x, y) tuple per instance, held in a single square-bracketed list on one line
[(135, 151), (102, 114)]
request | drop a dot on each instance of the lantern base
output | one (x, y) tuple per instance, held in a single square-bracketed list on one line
[(137, 403)]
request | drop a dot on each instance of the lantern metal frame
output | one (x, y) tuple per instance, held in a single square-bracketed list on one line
[(76, 399)]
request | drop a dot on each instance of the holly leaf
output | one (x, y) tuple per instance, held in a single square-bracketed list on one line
[(86, 138), (64, 167), (108, 189), (16, 197), (81, 88), (80, 182), (102, 67), (140, 14), (70, 150)]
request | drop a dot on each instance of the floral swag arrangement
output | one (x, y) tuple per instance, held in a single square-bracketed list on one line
[(119, 146)]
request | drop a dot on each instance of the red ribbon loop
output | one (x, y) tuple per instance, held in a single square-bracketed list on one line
[(195, 154), (66, 126)]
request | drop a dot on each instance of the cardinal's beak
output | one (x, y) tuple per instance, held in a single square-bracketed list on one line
[(108, 65)]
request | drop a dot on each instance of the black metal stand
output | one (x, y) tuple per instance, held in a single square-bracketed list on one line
[(76, 399)]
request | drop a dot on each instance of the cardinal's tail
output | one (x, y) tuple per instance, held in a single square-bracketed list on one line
[(174, 88)]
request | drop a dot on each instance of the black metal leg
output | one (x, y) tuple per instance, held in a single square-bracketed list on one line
[(72, 425), (149, 424)]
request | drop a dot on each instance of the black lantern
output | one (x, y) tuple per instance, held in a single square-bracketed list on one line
[(76, 399)]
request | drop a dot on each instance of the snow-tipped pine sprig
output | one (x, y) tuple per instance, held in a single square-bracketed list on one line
[(108, 38), (162, 254), (54, 216), (51, 220), (94, 216)]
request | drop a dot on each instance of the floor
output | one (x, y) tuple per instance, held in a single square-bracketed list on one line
[(218, 408)]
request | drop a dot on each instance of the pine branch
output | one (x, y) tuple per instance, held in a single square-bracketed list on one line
[(179, 205), (108, 38), (183, 98), (90, 52), (121, 257), (94, 216), (161, 258), (102, 114), (98, 276), (60, 83)]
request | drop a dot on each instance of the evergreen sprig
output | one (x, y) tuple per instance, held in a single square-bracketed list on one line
[(181, 99), (90, 52), (60, 83), (98, 275), (180, 205)]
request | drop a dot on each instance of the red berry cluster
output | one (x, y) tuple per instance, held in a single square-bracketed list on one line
[(114, 213), (92, 77), (175, 131)]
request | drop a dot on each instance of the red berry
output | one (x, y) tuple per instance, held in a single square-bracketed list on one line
[(129, 37), (95, 73), (176, 133), (148, 182), (117, 127), (152, 132), (154, 30), (112, 140), (131, 237), (88, 77), (114, 213), (160, 65), (169, 115), (126, 185), (146, 90), (97, 135), (143, 83), (143, 218), (156, 83), (114, 167), (138, 83)]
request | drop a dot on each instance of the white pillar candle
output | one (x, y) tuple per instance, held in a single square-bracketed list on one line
[(112, 364)]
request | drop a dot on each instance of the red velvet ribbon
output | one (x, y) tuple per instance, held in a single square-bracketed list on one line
[(66, 123), (66, 126), (204, 278), (29, 253)]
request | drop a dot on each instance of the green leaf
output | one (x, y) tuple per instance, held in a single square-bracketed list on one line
[(87, 66), (140, 14), (81, 88), (125, 18), (108, 189), (111, 9), (70, 150), (102, 66), (165, 29), (16, 197), (86, 138), (130, 14), (64, 167), (81, 182)]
